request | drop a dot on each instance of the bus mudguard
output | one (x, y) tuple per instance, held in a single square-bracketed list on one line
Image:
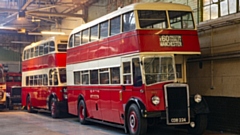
[(198, 108), (139, 103)]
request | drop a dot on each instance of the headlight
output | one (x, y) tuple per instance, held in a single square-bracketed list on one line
[(155, 100), (197, 98)]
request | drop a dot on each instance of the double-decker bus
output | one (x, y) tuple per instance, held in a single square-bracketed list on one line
[(128, 69), (3, 94), (44, 76), (13, 79)]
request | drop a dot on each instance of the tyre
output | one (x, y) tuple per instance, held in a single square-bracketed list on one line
[(29, 105), (200, 125), (82, 112), (137, 125), (54, 108)]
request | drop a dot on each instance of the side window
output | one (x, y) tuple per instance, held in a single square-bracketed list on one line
[(104, 76), (137, 76), (45, 80), (126, 73), (70, 45), (85, 36), (32, 52), (94, 33), (41, 50), (40, 80), (35, 79), (103, 30), (51, 46), (36, 51), (27, 81), (115, 75), (46, 48), (85, 77), (76, 77), (94, 77), (77, 39), (128, 22), (115, 25), (31, 80)]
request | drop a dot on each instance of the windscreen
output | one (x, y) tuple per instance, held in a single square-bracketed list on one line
[(157, 19), (158, 69)]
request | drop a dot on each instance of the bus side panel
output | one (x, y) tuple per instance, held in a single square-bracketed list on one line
[(72, 99), (47, 61)]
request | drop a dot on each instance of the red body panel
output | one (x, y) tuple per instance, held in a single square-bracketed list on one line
[(130, 42), (40, 94), (46, 61)]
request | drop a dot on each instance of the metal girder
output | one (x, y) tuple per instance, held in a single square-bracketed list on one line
[(43, 13)]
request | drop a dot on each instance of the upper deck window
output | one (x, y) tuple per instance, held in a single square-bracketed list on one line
[(51, 46), (85, 36), (103, 30), (62, 47), (115, 25), (77, 39), (128, 22), (181, 20), (152, 19), (94, 33)]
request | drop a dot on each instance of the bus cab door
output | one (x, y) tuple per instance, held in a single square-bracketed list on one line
[(180, 64)]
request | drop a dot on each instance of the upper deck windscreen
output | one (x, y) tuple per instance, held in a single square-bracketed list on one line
[(158, 19)]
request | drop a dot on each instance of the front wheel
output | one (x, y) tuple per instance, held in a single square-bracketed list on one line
[(54, 108), (82, 112), (29, 105), (200, 125), (137, 125)]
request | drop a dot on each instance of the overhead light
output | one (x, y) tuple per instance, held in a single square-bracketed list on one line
[(52, 33), (7, 28), (34, 33)]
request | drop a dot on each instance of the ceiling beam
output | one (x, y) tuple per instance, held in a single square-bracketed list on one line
[(43, 13)]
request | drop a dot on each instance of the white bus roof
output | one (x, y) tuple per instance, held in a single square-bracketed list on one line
[(33, 44), (136, 6)]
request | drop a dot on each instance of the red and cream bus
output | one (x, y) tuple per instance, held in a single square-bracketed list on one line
[(13, 79), (44, 76), (128, 69)]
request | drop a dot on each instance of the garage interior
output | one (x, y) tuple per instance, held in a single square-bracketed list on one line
[(214, 74)]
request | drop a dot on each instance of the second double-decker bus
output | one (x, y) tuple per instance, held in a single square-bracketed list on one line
[(128, 69), (44, 76)]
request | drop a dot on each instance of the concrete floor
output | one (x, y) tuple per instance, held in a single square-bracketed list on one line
[(22, 123)]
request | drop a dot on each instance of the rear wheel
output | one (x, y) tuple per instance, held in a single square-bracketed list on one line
[(54, 108), (82, 112), (137, 125), (200, 125), (29, 105)]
